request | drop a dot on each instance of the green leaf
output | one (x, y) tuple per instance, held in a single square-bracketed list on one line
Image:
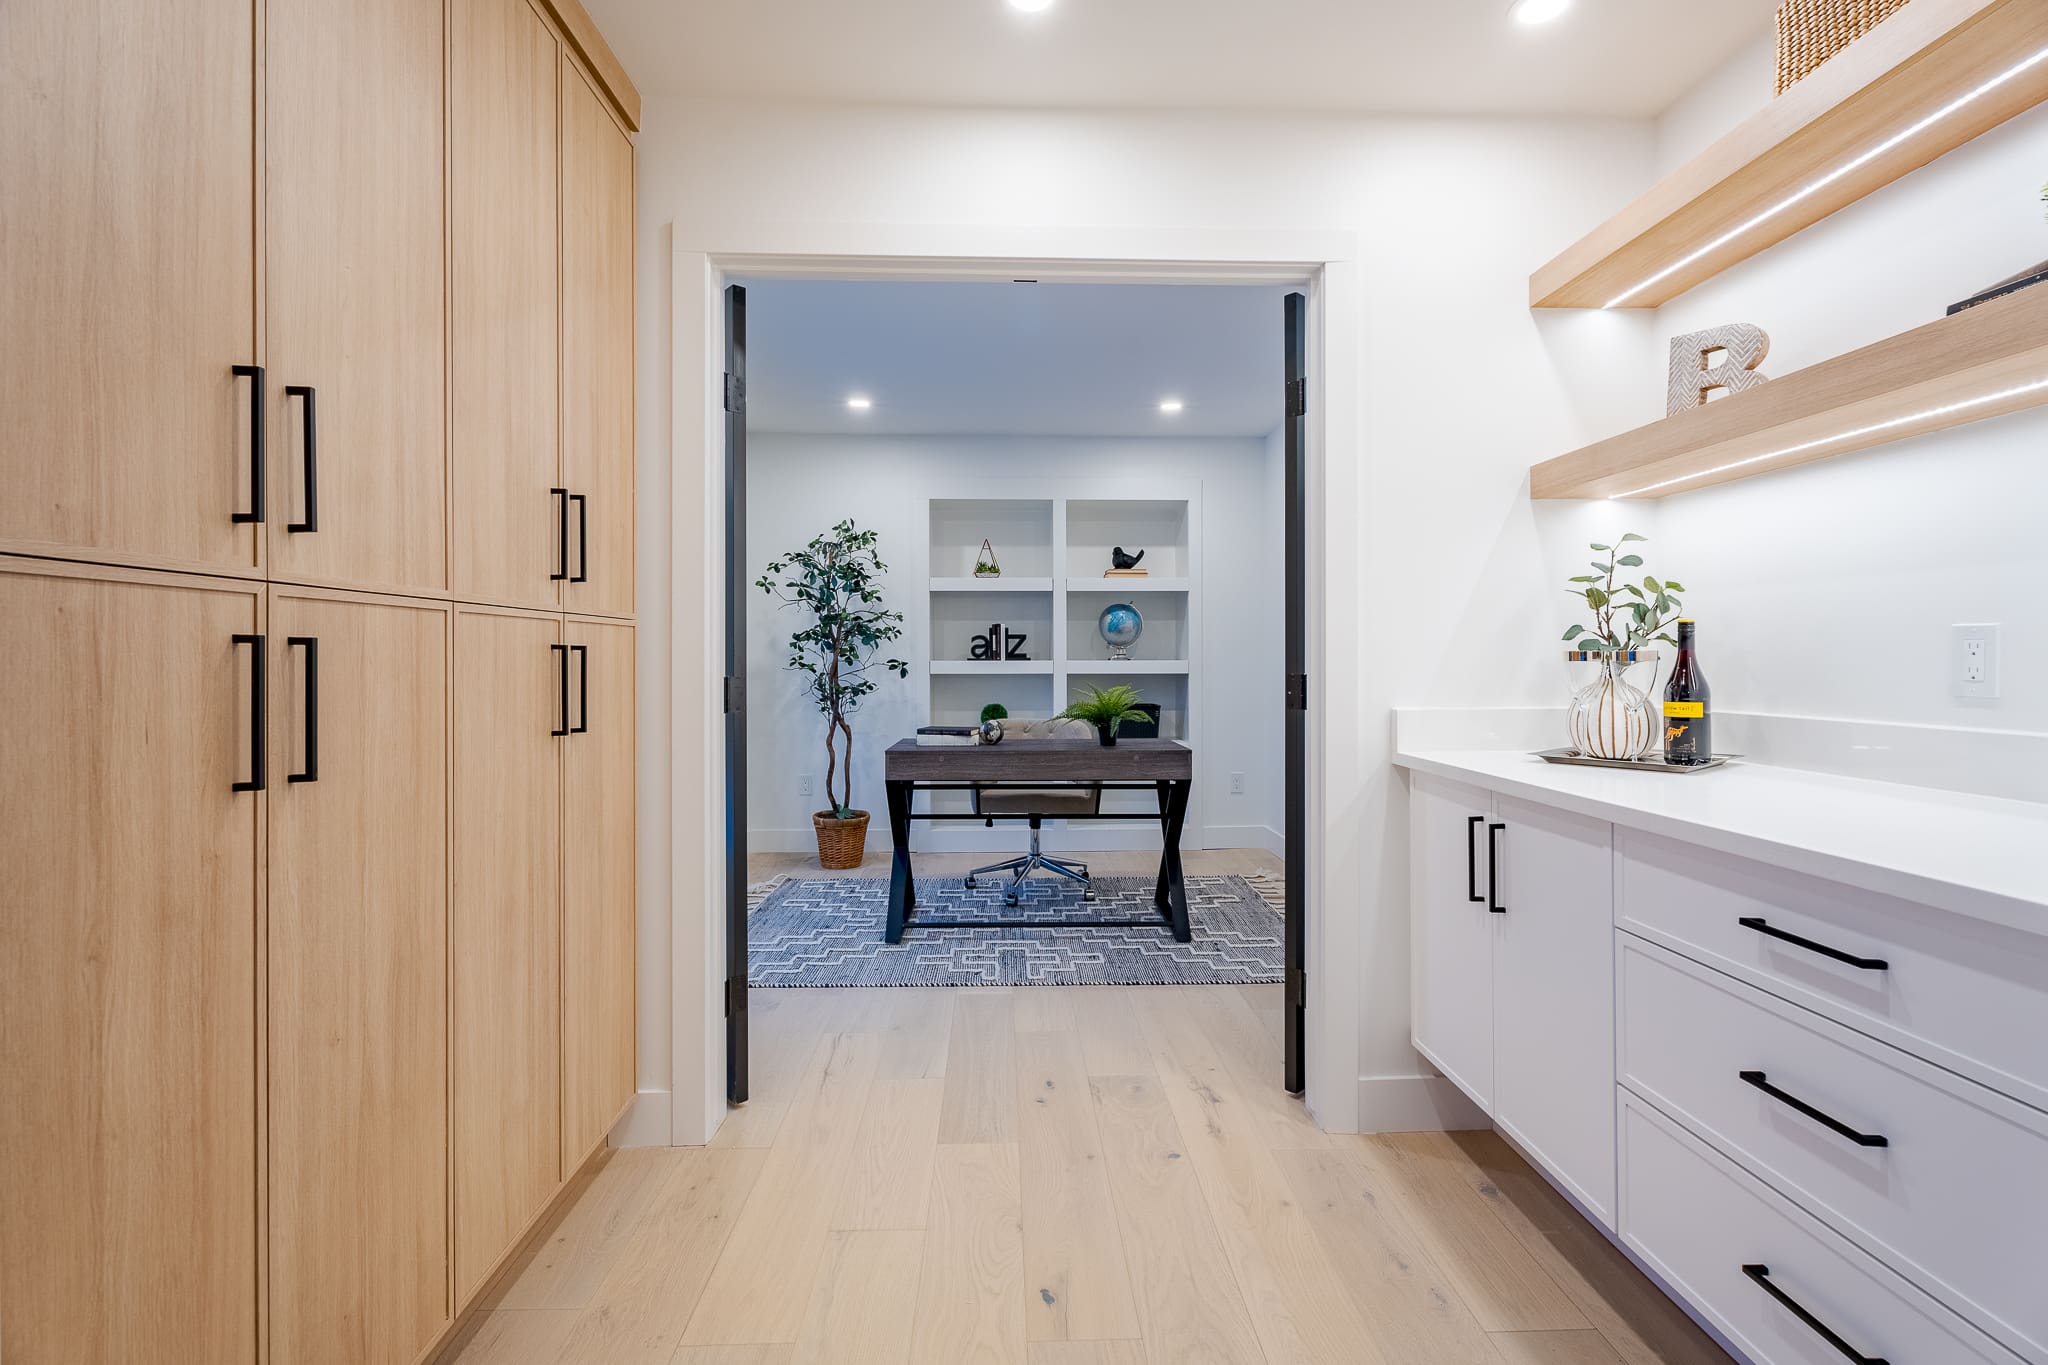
[(1602, 547), (1575, 632), (1630, 561), (1674, 585), (1650, 582), (1630, 587), (1633, 536), (1596, 598), (1587, 578)]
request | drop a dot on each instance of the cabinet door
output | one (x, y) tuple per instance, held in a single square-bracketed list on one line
[(1451, 974), (128, 980), (128, 227), (358, 978), (597, 889), (509, 673), (505, 521), (1553, 984), (355, 299), (597, 346)]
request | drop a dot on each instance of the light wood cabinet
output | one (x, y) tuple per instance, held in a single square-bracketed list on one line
[(507, 524), (512, 675), (598, 910), (128, 225), (358, 962), (355, 292), (597, 345), (129, 905)]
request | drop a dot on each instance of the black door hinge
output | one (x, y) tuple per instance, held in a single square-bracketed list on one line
[(735, 695), (1297, 990), (735, 393), (1297, 691), (1297, 397)]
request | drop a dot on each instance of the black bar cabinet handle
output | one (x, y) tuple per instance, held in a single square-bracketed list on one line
[(582, 725), (561, 534), (1493, 870), (311, 772), (1472, 824), (1868, 964), (259, 722), (1761, 1082), (309, 461), (562, 653), (582, 574), (257, 459), (1762, 1275)]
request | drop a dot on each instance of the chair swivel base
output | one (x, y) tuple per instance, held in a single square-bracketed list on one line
[(1023, 867)]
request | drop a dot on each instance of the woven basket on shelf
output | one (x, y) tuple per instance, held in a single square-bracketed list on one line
[(841, 843), (1811, 31)]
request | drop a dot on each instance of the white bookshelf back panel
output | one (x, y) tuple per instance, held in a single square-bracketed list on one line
[(1018, 529)]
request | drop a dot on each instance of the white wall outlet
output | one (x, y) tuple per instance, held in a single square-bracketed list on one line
[(1237, 784), (1973, 660), (803, 786)]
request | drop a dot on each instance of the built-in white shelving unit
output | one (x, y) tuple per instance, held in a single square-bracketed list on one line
[(1052, 552)]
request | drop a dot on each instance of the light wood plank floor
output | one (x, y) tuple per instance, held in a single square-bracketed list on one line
[(1063, 1176)]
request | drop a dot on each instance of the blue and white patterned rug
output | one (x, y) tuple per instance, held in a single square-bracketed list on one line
[(829, 933)]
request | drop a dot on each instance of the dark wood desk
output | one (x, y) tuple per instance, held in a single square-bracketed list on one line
[(1165, 767)]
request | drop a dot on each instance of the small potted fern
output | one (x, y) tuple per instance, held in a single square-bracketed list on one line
[(1105, 708)]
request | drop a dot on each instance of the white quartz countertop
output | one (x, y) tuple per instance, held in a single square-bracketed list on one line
[(1974, 855)]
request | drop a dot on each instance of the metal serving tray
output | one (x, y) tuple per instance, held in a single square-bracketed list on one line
[(1639, 765)]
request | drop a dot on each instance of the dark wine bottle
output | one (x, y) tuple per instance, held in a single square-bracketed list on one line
[(1688, 717)]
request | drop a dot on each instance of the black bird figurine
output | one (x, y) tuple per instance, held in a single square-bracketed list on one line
[(1121, 560)]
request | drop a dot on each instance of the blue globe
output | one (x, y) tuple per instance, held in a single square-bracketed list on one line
[(1121, 625)]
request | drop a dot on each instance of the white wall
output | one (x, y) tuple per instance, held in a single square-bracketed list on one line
[(798, 486), (1457, 391), (1828, 591)]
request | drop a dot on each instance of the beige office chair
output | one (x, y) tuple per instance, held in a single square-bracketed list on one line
[(1039, 803)]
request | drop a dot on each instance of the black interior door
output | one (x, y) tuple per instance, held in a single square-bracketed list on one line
[(735, 694), (1296, 1009)]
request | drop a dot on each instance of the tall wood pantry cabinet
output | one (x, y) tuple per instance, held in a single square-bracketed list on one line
[(316, 900)]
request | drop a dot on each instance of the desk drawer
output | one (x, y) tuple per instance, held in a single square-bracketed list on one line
[(1956, 1199), (1967, 995), (1698, 1221)]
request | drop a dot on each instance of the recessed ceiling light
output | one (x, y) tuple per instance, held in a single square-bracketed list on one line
[(860, 402), (1030, 6), (1538, 11), (1171, 406)]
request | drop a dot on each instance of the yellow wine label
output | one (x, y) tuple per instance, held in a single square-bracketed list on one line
[(1684, 710)]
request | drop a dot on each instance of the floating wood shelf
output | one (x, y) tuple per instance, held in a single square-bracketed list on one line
[(1925, 81), (1989, 360)]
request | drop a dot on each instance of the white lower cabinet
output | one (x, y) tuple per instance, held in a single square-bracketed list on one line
[(1451, 965), (1780, 1286)]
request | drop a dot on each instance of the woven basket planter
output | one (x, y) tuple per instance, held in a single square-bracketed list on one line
[(841, 843), (1811, 31)]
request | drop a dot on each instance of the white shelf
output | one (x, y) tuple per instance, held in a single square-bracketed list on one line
[(1120, 586), (992, 585), (1093, 667), (995, 669)]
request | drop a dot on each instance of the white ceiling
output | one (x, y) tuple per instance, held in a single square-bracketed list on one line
[(1631, 57), (956, 359)]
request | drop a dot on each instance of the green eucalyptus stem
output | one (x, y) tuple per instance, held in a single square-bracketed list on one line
[(1656, 603)]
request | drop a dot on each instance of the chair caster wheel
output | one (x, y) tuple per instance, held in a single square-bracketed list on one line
[(970, 883), (1087, 895), (1010, 899)]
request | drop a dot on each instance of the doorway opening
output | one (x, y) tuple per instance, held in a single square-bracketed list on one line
[(1074, 487)]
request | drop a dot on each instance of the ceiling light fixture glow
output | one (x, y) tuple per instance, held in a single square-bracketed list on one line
[(1171, 406), (1533, 12), (1030, 6), (860, 402), (1983, 400), (1846, 168)]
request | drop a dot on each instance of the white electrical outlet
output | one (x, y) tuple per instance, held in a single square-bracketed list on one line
[(1237, 784), (803, 786), (1973, 660)]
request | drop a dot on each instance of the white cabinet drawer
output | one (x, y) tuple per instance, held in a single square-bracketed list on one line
[(1723, 1240), (1965, 994), (1956, 1198)]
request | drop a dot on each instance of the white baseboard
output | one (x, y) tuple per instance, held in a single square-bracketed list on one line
[(1415, 1104), (646, 1122), (1246, 836)]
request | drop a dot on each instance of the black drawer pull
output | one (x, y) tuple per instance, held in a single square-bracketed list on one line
[(582, 725), (582, 574), (1493, 904), (1758, 923), (309, 461), (1758, 1079), (259, 722), (1472, 823), (257, 459), (1762, 1275), (311, 644), (562, 653), (561, 534)]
